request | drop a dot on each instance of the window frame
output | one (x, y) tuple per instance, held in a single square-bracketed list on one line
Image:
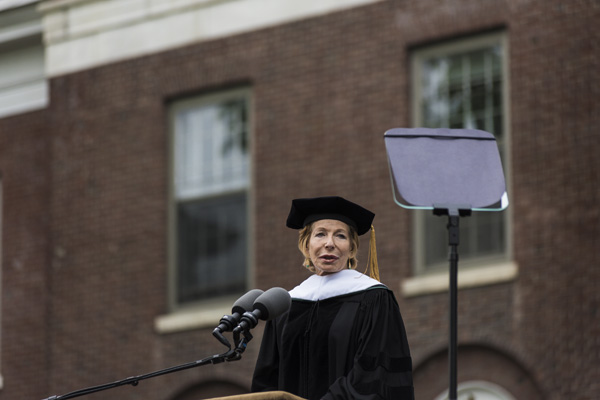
[(501, 262), (220, 304)]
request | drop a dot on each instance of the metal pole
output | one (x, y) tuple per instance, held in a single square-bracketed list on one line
[(453, 258)]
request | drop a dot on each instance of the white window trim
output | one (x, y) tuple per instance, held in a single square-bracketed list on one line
[(479, 272)]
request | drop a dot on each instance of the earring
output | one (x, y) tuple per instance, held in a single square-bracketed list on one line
[(307, 263)]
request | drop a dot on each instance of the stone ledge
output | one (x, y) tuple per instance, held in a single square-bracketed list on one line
[(204, 315), (467, 278)]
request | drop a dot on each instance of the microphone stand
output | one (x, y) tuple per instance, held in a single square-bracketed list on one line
[(230, 355), (240, 344), (264, 307)]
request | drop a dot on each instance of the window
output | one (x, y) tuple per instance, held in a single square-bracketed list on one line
[(210, 181), (462, 85)]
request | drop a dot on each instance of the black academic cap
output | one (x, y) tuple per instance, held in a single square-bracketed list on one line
[(305, 211)]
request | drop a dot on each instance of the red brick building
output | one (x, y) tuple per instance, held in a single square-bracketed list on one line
[(100, 212)]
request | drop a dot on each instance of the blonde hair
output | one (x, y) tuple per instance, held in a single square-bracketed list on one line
[(304, 238)]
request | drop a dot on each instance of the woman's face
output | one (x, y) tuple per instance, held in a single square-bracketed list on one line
[(329, 246)]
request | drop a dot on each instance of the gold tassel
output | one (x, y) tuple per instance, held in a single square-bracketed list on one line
[(372, 261)]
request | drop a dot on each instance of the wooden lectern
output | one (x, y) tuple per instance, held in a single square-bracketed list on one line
[(275, 395)]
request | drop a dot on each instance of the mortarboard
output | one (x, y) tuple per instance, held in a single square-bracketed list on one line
[(305, 211), (308, 210)]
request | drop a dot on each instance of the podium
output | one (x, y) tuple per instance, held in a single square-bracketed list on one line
[(274, 395)]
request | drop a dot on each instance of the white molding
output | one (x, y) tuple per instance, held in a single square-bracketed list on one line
[(8, 4), (467, 278), (20, 31), (85, 34), (29, 97), (18, 25)]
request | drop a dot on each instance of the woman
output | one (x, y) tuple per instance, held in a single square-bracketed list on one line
[(343, 337)]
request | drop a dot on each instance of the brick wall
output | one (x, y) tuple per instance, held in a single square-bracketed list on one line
[(26, 187), (84, 236)]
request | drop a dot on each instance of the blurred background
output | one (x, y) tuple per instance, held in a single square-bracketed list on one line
[(150, 150)]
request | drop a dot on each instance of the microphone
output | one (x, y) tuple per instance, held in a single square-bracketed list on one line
[(241, 305), (228, 322), (267, 306)]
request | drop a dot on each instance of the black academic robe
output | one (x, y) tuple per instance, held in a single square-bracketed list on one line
[(338, 346)]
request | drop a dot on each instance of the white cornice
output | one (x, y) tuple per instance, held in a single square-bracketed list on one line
[(8, 4), (82, 34)]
